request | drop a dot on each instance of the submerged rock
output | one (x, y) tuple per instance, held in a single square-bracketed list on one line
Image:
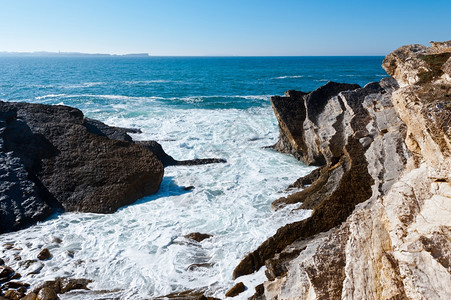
[(197, 236)]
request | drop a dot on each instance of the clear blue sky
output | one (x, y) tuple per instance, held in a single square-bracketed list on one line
[(222, 27)]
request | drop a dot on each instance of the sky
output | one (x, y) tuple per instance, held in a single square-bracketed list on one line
[(222, 27)]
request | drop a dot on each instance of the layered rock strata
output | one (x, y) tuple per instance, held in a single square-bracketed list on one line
[(380, 226)]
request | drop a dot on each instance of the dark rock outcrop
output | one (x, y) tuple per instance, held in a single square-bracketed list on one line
[(63, 285), (114, 133), (9, 287), (44, 254), (6, 272), (197, 236), (236, 290), (53, 158), (168, 160), (186, 295), (47, 294)]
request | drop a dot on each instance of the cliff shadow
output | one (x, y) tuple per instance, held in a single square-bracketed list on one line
[(168, 188)]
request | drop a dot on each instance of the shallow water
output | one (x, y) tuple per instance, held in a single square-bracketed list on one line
[(196, 108)]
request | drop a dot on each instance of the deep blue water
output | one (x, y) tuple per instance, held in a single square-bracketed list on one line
[(186, 82)]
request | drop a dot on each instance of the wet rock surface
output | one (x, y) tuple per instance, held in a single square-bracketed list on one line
[(197, 236), (13, 289), (168, 160), (236, 290), (44, 254), (64, 285), (380, 227), (186, 295), (47, 294)]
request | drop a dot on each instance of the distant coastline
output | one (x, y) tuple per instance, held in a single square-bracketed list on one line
[(69, 54)]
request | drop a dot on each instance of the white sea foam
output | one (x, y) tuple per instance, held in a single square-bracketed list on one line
[(50, 96), (141, 249), (133, 82), (126, 99), (290, 77), (84, 85)]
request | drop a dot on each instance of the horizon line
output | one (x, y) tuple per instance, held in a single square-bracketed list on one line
[(144, 54)]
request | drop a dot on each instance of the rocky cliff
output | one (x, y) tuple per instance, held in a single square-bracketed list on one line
[(381, 199)]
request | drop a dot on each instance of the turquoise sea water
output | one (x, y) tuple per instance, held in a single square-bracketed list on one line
[(195, 107), (184, 82)]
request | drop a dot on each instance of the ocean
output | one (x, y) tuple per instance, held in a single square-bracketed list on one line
[(196, 107)]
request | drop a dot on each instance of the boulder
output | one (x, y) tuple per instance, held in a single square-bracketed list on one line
[(47, 294), (53, 158), (30, 296), (236, 290), (14, 294), (44, 254), (14, 285), (197, 236), (186, 295), (6, 272)]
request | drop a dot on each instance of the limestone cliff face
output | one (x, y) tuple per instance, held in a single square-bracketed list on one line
[(381, 221)]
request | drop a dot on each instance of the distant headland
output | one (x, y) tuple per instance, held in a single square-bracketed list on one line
[(70, 54)]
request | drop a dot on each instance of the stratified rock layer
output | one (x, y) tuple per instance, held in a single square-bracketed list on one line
[(381, 225), (54, 158)]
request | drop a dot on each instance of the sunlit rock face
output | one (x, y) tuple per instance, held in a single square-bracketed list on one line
[(390, 234)]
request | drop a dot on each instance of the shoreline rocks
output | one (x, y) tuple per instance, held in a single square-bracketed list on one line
[(380, 227), (52, 161), (343, 182), (236, 290), (52, 158), (197, 236), (168, 160)]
